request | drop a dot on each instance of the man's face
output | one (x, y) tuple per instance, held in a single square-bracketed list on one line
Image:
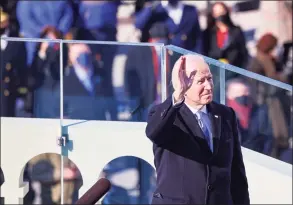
[(201, 89), (75, 50), (236, 90)]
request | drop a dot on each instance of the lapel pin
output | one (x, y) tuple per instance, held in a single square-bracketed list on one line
[(216, 116)]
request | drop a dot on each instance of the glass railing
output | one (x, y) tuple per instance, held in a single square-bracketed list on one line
[(111, 81)]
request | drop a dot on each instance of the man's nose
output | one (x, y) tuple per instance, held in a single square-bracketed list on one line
[(208, 85)]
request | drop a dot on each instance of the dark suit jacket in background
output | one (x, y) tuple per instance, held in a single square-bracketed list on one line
[(234, 51), (140, 77), (13, 72), (187, 171)]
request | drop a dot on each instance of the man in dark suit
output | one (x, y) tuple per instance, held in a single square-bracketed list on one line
[(88, 93), (197, 151), (181, 20), (13, 68)]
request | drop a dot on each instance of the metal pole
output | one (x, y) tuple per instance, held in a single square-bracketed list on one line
[(61, 119), (222, 85), (163, 73)]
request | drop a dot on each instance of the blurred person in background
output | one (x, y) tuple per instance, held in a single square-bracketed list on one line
[(181, 20), (45, 174), (278, 101), (143, 81), (13, 69), (44, 76), (88, 94), (132, 181), (265, 62), (97, 21), (254, 122), (287, 153), (9, 6), (34, 16), (286, 60), (223, 40)]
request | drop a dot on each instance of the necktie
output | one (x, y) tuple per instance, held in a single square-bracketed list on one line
[(203, 121)]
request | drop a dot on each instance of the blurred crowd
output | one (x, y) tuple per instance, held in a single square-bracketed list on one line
[(30, 72)]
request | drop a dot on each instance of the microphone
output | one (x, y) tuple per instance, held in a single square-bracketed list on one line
[(96, 192)]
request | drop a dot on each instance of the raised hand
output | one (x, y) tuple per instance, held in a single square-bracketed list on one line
[(181, 80)]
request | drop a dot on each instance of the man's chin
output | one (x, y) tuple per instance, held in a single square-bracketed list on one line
[(208, 99)]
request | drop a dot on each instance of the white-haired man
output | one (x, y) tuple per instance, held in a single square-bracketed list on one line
[(197, 152)]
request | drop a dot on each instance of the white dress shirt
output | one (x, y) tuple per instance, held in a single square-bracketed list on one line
[(175, 13), (84, 77), (4, 42)]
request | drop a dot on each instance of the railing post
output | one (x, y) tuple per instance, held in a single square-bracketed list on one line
[(61, 119), (223, 85), (163, 73)]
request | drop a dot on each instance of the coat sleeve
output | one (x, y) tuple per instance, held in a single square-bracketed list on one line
[(143, 17), (239, 184), (160, 122), (66, 19), (28, 24)]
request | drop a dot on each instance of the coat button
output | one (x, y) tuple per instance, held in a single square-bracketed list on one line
[(8, 66), (157, 195), (210, 187), (183, 37), (163, 113), (6, 79), (6, 93)]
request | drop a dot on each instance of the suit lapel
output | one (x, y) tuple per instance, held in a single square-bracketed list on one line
[(191, 122), (216, 122)]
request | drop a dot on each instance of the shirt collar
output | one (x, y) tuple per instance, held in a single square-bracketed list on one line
[(196, 111), (81, 73)]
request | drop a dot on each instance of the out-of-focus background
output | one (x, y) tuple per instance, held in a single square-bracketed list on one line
[(120, 82)]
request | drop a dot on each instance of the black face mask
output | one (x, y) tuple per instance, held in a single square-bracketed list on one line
[(173, 2), (225, 19), (244, 100)]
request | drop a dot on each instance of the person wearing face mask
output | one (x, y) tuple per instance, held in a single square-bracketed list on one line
[(13, 69), (223, 40), (254, 121), (44, 76), (87, 94)]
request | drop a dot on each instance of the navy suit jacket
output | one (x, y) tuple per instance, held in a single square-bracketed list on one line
[(187, 171), (187, 34)]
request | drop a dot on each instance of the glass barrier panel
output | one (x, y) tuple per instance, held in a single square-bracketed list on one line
[(110, 82), (173, 56), (105, 82), (264, 113), (30, 88)]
